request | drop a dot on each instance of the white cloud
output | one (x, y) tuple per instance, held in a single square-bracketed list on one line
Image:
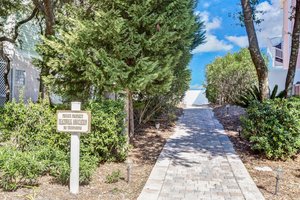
[(206, 5), (197, 13), (215, 23), (241, 41), (213, 43), (271, 25)]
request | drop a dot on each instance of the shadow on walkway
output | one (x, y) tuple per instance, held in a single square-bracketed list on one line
[(199, 162)]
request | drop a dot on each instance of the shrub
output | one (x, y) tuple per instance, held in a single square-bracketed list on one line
[(26, 126), (18, 168), (33, 147), (61, 171), (60, 168), (107, 140), (253, 94), (34, 125), (273, 127), (88, 164), (229, 76)]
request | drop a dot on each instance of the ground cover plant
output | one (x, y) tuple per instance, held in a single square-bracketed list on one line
[(31, 147), (273, 127)]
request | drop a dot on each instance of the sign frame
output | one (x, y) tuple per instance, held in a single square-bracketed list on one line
[(75, 112)]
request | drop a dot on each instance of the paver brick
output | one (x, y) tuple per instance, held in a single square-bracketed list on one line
[(199, 162)]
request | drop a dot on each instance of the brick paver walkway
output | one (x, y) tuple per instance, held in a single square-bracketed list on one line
[(199, 162)]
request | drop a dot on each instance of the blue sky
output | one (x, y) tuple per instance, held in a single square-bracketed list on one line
[(225, 35)]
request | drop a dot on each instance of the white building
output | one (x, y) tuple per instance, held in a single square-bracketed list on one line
[(23, 76), (195, 98), (279, 49)]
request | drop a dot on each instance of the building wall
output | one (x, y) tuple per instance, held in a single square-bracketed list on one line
[(22, 63), (23, 76), (195, 97), (286, 32), (278, 77)]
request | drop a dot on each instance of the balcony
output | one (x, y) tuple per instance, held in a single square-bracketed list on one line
[(275, 51), (278, 55)]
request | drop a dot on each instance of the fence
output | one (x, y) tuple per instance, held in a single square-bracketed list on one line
[(2, 82)]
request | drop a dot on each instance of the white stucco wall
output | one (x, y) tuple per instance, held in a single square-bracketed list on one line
[(20, 61), (195, 97), (278, 76)]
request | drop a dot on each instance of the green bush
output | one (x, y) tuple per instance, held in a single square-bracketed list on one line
[(88, 165), (26, 126), (230, 76), (273, 127), (107, 140), (33, 147), (18, 168)]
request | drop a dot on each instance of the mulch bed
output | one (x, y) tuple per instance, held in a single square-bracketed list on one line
[(289, 186), (144, 152)]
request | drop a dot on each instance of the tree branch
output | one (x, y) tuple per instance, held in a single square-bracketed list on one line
[(6, 39), (39, 5), (18, 25)]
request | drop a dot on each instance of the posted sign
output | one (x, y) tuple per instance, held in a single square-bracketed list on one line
[(73, 121)]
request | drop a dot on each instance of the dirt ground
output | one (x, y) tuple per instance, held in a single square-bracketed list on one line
[(289, 186), (146, 148)]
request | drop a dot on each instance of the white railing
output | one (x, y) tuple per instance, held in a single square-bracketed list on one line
[(278, 55)]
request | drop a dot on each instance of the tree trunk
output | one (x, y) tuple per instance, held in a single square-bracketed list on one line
[(130, 115), (257, 58), (47, 8), (49, 17), (42, 89), (294, 52)]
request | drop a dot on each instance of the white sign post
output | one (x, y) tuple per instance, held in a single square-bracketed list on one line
[(75, 155), (74, 122)]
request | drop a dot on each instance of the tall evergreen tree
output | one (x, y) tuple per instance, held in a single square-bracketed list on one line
[(133, 46)]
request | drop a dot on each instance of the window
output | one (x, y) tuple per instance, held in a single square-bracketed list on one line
[(20, 77)]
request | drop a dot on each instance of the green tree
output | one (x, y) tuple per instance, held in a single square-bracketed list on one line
[(133, 46), (7, 7), (248, 18), (230, 76)]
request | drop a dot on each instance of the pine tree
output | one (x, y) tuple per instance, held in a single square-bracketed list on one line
[(134, 46)]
